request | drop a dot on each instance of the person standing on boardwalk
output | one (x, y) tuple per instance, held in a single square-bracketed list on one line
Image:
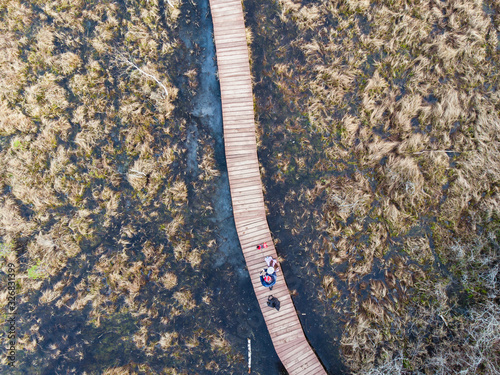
[(271, 262)]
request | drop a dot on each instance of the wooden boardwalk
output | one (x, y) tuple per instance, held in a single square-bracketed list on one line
[(246, 187)]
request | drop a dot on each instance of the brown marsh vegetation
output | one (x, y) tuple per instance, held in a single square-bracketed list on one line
[(379, 128), (108, 232)]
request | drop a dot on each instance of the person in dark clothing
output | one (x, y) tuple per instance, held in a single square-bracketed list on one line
[(273, 302)]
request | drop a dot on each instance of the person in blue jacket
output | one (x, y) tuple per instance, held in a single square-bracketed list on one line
[(268, 277)]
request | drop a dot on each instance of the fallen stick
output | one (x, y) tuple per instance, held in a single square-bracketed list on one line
[(126, 61)]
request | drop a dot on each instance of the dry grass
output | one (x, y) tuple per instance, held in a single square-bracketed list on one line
[(185, 299), (169, 280), (168, 339), (123, 370), (219, 343)]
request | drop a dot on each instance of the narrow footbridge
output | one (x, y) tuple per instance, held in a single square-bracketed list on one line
[(245, 183)]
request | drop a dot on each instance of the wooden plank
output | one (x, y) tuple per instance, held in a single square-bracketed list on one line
[(235, 21), (239, 111), (241, 142), (227, 44), (248, 214), (238, 95), (290, 349), (229, 106), (252, 240), (232, 76), (228, 53), (251, 202), (244, 127), (230, 27), (300, 359), (236, 92), (222, 9), (243, 101), (239, 184), (239, 62), (250, 231), (235, 74), (248, 134), (258, 225), (254, 263), (241, 114), (285, 309), (225, 3), (250, 188), (240, 127), (227, 50), (242, 183), (233, 149), (313, 368), (225, 14), (245, 133), (242, 139), (290, 331), (237, 98), (244, 170), (249, 147), (251, 250), (233, 106), (245, 238), (235, 88), (228, 70), (247, 150), (286, 324), (250, 163), (290, 326), (302, 363), (247, 113), (243, 163), (244, 204), (238, 152), (240, 119)]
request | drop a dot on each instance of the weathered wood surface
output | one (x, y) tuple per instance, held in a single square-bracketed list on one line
[(246, 186)]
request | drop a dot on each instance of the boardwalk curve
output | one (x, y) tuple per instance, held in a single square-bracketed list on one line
[(246, 186)]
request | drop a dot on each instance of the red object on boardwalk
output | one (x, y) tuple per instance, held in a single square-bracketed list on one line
[(262, 246)]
